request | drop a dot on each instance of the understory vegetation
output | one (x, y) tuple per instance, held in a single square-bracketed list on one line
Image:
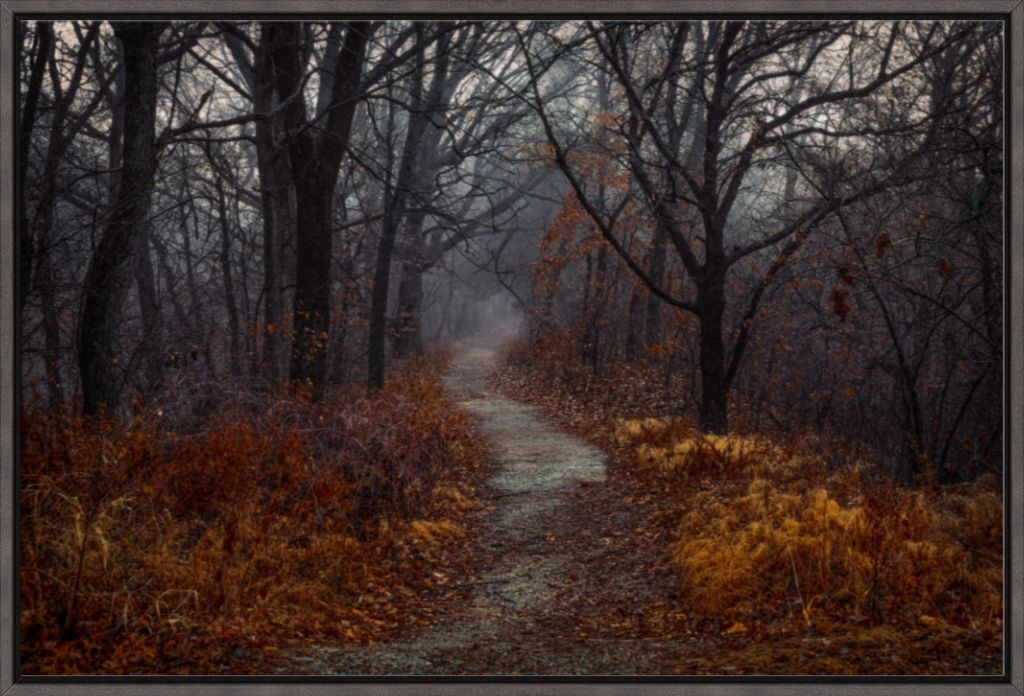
[(798, 554), (795, 532), (147, 548)]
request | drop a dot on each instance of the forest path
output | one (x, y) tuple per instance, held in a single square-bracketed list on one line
[(551, 561)]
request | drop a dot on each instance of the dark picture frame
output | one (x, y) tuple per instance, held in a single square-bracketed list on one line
[(1011, 12)]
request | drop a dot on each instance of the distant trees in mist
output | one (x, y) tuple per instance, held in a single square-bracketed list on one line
[(793, 221)]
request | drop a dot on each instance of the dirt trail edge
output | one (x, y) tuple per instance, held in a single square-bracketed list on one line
[(543, 560)]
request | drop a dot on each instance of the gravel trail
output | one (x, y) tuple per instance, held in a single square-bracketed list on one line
[(544, 555)]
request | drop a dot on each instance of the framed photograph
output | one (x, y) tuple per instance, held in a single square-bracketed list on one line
[(427, 348)]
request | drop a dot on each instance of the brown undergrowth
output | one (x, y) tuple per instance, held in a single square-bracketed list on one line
[(146, 550), (793, 556)]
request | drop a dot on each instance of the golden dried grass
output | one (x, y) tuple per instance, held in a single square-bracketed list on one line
[(144, 550), (777, 532)]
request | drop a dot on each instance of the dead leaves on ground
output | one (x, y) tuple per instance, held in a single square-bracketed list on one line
[(146, 550)]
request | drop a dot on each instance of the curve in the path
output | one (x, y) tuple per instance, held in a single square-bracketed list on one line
[(535, 464)]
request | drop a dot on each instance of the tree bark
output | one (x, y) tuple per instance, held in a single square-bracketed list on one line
[(43, 51), (634, 324), (652, 324), (714, 416), (109, 270), (409, 333), (39, 234), (411, 150), (313, 163), (235, 345), (272, 162), (311, 320), (149, 309)]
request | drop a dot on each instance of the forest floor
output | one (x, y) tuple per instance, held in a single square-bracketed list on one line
[(564, 580), (566, 570)]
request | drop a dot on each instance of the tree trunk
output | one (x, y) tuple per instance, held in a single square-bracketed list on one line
[(45, 284), (43, 49), (349, 291), (110, 268), (38, 237), (376, 359), (592, 336), (409, 335), (714, 389), (544, 322), (196, 313), (314, 163), (311, 318), (182, 317), (652, 328), (235, 345), (271, 160), (43, 281), (149, 309), (635, 321), (393, 215)]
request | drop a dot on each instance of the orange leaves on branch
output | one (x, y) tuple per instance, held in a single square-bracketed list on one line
[(607, 119), (542, 151)]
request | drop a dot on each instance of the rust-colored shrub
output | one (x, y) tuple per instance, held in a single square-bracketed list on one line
[(779, 532), (146, 550)]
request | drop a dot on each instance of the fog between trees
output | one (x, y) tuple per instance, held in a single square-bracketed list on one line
[(798, 223)]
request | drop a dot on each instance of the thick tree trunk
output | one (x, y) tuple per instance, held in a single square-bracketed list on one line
[(271, 160), (311, 317), (110, 268), (714, 388), (313, 163)]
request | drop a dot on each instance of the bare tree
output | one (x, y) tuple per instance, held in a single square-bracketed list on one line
[(110, 268), (315, 150), (743, 119)]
